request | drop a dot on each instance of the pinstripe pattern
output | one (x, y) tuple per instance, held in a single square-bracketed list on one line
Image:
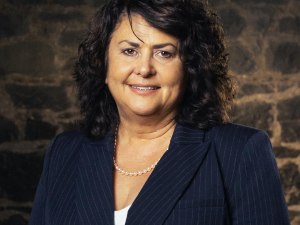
[(227, 175)]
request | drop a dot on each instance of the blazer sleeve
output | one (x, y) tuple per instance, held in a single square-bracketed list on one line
[(39, 206), (257, 197)]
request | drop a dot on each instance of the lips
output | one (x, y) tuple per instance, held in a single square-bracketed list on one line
[(144, 88)]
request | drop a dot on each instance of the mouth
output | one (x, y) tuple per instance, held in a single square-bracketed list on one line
[(144, 88)]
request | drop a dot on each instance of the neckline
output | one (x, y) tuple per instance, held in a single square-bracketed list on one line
[(123, 208)]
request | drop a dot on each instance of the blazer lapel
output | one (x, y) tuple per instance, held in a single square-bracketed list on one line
[(174, 171), (94, 195), (169, 178)]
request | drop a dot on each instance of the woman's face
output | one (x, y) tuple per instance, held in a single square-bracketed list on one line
[(145, 77)]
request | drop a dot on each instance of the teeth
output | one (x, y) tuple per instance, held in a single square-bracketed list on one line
[(144, 88)]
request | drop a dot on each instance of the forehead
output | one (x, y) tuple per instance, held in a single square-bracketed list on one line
[(140, 29)]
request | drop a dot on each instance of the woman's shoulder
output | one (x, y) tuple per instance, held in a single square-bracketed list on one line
[(66, 142), (70, 136), (231, 135), (235, 132)]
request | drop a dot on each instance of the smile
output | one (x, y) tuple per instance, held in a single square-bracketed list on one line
[(144, 88)]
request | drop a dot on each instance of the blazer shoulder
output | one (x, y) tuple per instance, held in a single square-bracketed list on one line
[(234, 132), (63, 147), (68, 137)]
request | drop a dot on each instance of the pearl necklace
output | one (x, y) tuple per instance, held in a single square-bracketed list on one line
[(130, 173)]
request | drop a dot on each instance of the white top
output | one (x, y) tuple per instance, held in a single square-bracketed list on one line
[(121, 215)]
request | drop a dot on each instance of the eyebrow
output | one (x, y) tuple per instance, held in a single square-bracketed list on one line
[(136, 45)]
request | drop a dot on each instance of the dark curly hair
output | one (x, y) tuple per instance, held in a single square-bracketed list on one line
[(209, 90)]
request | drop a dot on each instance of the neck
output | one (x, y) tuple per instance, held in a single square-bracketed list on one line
[(143, 130)]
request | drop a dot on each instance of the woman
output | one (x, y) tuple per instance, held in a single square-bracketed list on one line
[(156, 145)]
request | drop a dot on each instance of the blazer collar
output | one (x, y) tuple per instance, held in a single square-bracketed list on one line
[(181, 135), (159, 194)]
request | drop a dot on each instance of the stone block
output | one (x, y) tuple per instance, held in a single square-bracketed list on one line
[(262, 24), (32, 58), (293, 214), (37, 130), (290, 180), (284, 57), (233, 22), (240, 59), (70, 126), (260, 1), (98, 3), (8, 130), (61, 17), (71, 38), (289, 109), (290, 25), (15, 24), (14, 220), (283, 152), (290, 131), (40, 97), (19, 175), (250, 89), (69, 2), (27, 2), (254, 114)]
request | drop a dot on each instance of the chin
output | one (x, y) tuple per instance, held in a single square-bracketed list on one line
[(144, 111)]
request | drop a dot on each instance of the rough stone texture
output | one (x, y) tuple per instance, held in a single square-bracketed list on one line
[(240, 59), (290, 25), (40, 97), (19, 175), (69, 2), (283, 152), (14, 25), (289, 118), (38, 43), (70, 126), (284, 58), (8, 130), (98, 3), (61, 17), (261, 1), (254, 114), (27, 57), (233, 22), (15, 220), (250, 89), (27, 2), (290, 177), (289, 109), (291, 131), (71, 38), (37, 129)]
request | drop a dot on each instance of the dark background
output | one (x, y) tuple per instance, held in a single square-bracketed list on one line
[(38, 45)]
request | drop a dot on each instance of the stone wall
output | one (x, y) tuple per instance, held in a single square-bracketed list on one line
[(38, 45)]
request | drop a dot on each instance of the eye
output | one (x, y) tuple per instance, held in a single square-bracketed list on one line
[(165, 54), (129, 52)]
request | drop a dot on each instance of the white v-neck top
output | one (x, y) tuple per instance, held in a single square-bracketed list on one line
[(121, 215)]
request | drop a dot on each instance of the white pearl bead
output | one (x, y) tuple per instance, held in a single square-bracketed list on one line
[(130, 174), (148, 168), (152, 166), (134, 173), (126, 173), (155, 163), (122, 171), (145, 171), (140, 172)]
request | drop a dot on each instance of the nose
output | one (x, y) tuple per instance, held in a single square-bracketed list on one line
[(144, 66)]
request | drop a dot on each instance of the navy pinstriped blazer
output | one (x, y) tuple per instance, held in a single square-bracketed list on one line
[(227, 175)]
